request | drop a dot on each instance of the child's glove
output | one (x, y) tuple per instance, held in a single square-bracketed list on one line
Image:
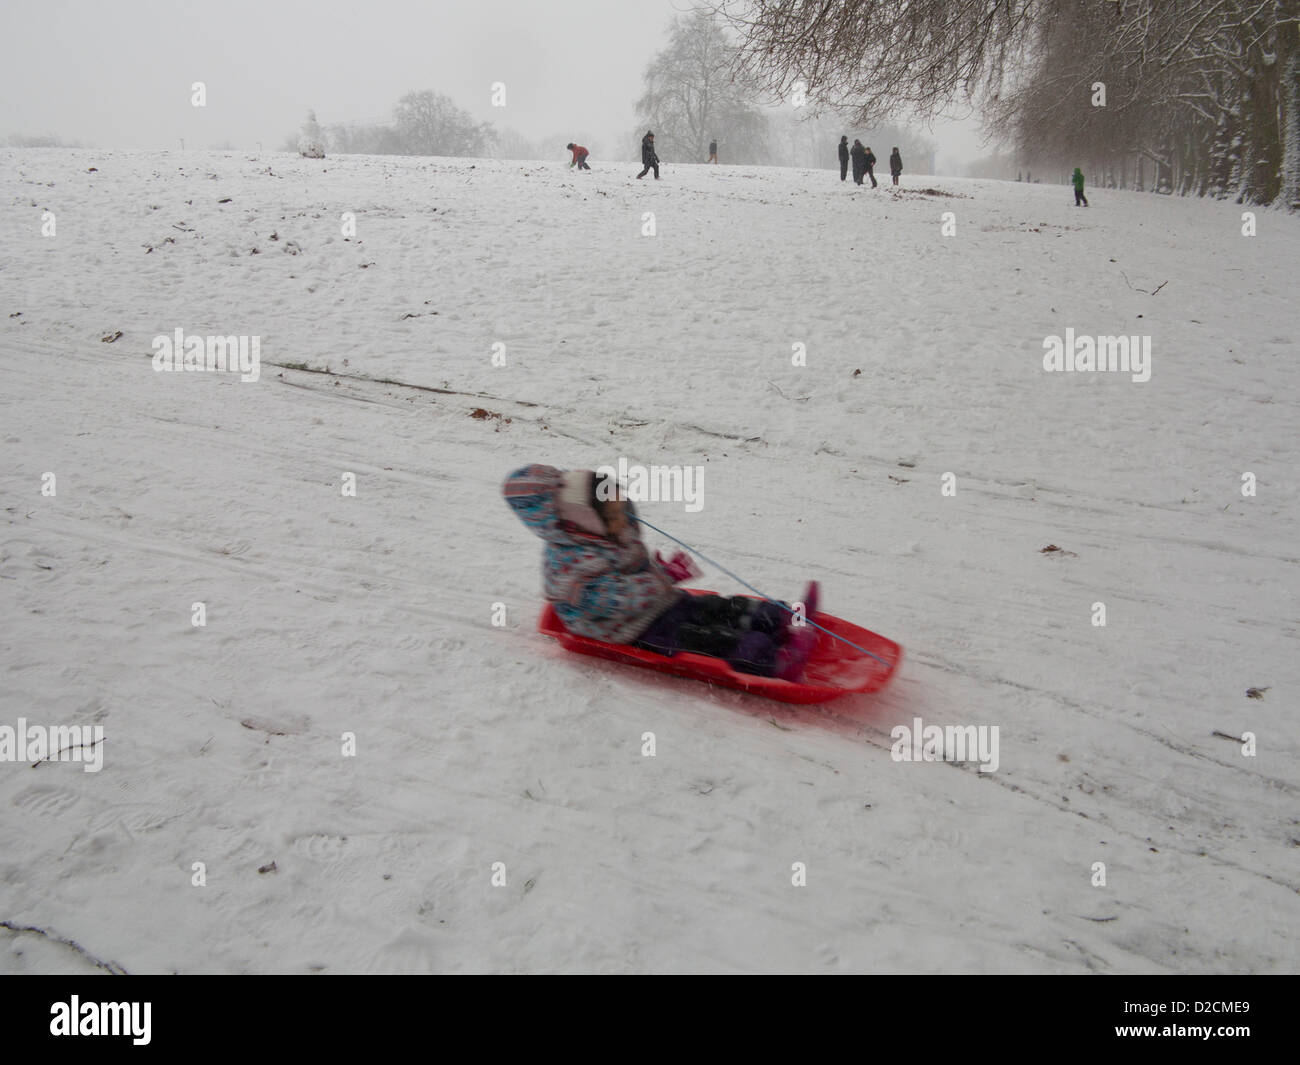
[(679, 567)]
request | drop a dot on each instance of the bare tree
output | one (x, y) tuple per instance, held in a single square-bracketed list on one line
[(692, 96), (879, 57), (430, 124)]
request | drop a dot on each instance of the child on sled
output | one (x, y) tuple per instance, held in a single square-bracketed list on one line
[(605, 586)]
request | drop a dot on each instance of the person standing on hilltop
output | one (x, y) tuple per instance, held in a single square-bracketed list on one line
[(844, 158), (649, 159), (859, 155), (1077, 180), (895, 165), (713, 150)]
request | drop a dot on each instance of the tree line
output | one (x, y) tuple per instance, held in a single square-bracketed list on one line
[(691, 97), (423, 123), (1194, 97)]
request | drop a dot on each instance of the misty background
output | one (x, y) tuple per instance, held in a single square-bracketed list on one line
[(120, 76)]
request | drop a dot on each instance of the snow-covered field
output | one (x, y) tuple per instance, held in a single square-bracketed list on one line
[(476, 744)]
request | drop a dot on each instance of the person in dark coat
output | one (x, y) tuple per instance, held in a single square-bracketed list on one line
[(870, 164), (859, 155), (844, 157), (895, 164), (713, 151), (648, 157)]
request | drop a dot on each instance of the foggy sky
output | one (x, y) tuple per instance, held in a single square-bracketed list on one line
[(117, 73)]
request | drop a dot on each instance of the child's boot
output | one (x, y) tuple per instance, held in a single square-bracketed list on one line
[(811, 597), (793, 656)]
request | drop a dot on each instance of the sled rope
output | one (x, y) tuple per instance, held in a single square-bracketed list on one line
[(768, 598)]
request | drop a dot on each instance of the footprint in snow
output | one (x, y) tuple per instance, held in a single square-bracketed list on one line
[(45, 800), (321, 848)]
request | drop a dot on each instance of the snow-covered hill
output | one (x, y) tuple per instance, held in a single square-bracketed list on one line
[(372, 614)]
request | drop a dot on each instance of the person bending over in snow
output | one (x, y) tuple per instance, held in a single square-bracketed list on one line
[(579, 156), (605, 586), (895, 165), (1077, 179)]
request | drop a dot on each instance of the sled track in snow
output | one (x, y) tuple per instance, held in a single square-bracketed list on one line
[(1112, 825), (974, 482)]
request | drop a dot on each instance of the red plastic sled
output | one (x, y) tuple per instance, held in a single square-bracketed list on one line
[(833, 669)]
